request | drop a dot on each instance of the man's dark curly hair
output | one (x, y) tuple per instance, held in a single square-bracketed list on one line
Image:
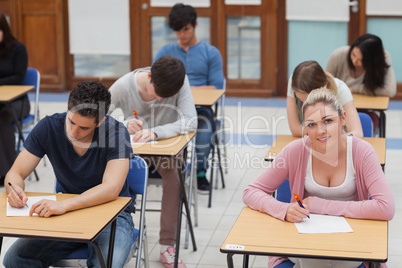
[(90, 99), (180, 15)]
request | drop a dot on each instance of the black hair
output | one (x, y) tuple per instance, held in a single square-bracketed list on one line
[(8, 39), (373, 61), (180, 15)]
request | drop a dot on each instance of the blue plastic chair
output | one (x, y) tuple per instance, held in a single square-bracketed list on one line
[(32, 78), (367, 124), (283, 193), (137, 179)]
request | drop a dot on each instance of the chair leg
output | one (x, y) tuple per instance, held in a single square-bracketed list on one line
[(145, 251), (195, 200), (36, 175), (192, 191), (211, 177)]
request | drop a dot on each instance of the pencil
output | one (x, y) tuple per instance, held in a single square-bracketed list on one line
[(9, 183), (135, 114)]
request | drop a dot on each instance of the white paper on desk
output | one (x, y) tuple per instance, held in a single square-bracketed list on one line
[(12, 211), (149, 142), (322, 224)]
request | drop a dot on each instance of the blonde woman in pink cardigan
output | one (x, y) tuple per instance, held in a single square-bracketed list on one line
[(332, 172)]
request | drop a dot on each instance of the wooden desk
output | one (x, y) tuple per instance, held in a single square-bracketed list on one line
[(10, 93), (262, 234), (82, 225), (172, 147), (208, 98), (168, 147), (281, 141), (375, 103)]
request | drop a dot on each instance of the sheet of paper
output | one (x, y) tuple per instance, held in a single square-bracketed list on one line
[(321, 224), (150, 142), (12, 211)]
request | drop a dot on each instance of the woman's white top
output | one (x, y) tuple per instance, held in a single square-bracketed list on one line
[(347, 191)]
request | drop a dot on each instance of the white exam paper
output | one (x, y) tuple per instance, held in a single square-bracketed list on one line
[(321, 224), (12, 211), (150, 142)]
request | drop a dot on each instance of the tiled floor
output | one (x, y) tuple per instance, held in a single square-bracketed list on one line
[(262, 119)]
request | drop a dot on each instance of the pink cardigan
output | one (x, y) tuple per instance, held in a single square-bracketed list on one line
[(291, 163)]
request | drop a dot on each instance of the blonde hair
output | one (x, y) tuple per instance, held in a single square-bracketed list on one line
[(323, 95)]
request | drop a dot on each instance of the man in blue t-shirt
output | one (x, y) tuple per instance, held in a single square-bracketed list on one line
[(203, 63), (89, 152)]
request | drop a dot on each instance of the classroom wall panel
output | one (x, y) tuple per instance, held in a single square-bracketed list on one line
[(390, 32), (106, 31), (384, 7), (41, 54), (41, 30), (170, 3), (317, 10), (314, 40), (7, 7)]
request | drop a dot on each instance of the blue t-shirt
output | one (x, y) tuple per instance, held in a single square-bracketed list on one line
[(203, 63), (75, 173)]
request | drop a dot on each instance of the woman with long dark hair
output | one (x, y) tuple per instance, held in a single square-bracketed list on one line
[(13, 67), (364, 66)]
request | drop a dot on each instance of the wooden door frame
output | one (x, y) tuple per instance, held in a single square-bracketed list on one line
[(266, 86), (218, 12)]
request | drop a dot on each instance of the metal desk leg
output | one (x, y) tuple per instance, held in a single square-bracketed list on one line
[(18, 122), (382, 124), (216, 140), (229, 259), (245, 260), (190, 195), (211, 184), (183, 199), (99, 253), (98, 250), (111, 243)]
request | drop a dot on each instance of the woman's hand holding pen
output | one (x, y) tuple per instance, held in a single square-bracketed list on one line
[(134, 125), (295, 213)]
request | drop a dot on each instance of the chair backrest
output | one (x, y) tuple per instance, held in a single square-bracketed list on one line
[(32, 78), (283, 193), (367, 124), (137, 179), (137, 176)]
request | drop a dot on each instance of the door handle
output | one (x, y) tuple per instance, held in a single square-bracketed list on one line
[(354, 6)]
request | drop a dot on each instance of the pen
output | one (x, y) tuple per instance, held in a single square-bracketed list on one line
[(299, 201), (135, 114), (9, 183)]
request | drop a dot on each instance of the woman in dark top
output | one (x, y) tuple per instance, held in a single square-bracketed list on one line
[(13, 67)]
